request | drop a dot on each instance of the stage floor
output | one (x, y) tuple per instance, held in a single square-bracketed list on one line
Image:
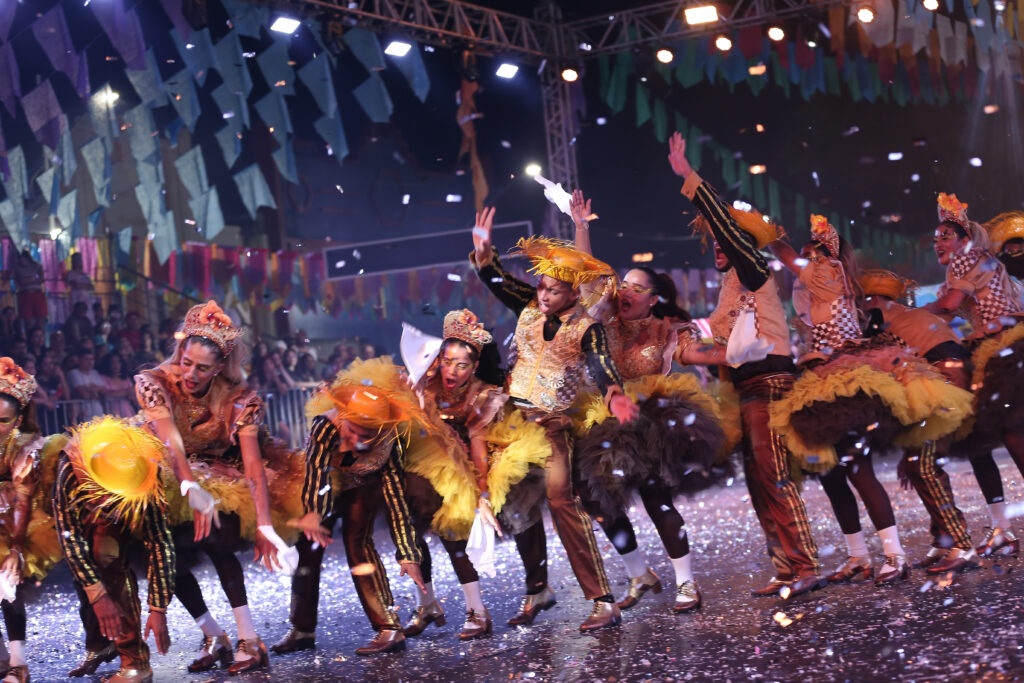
[(918, 630)]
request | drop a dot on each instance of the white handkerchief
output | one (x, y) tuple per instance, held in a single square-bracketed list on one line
[(480, 547)]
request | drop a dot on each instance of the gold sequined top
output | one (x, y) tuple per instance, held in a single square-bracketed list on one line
[(642, 347), (209, 425), (470, 409)]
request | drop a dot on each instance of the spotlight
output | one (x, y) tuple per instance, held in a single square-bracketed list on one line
[(109, 96), (812, 44), (757, 70), (284, 25), (397, 48), (999, 5), (895, 156), (931, 5), (776, 33), (705, 14), (723, 43), (975, 162), (532, 170), (664, 55), (865, 15), (570, 75), (757, 169), (991, 108), (507, 70)]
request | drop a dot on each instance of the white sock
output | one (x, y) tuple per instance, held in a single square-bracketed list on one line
[(636, 563), (857, 545), (890, 541), (17, 648), (427, 599), (243, 617), (209, 625), (997, 511), (683, 567), (474, 600)]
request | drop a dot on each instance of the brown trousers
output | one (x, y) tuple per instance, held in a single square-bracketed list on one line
[(572, 523), (948, 526), (773, 493), (109, 550)]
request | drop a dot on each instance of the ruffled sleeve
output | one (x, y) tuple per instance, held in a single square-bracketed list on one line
[(152, 398), (485, 409), (970, 272), (249, 415)]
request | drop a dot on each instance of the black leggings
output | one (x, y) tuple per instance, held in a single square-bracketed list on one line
[(464, 569), (532, 545), (861, 474), (986, 471), (219, 546), (14, 615), (662, 511)]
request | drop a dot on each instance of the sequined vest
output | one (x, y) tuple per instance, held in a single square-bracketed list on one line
[(768, 312), (641, 347), (548, 373)]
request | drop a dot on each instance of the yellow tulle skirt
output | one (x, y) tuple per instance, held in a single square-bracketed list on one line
[(514, 445), (998, 385), (881, 393)]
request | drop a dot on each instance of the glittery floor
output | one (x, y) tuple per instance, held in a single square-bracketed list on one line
[(919, 630)]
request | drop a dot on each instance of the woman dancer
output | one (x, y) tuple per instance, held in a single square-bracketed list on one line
[(675, 445), (28, 541), (851, 385), (978, 287), (198, 404)]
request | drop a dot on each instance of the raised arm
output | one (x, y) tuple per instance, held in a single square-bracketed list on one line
[(738, 246), (788, 255), (580, 213), (509, 290)]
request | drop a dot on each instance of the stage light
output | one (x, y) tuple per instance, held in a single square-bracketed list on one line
[(643, 257), (570, 75), (759, 127), (705, 14), (931, 5), (453, 198), (776, 33), (664, 55), (914, 177), (757, 169), (532, 170), (999, 5), (723, 43), (108, 96), (284, 25), (991, 108), (507, 70), (757, 70), (398, 48), (895, 156), (812, 44), (975, 162), (601, 120), (865, 15)]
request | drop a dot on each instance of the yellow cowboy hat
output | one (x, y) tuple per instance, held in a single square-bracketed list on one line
[(561, 260), (885, 283)]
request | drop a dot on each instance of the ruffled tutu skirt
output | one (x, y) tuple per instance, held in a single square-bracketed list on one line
[(677, 442), (874, 392), (998, 383), (517, 452), (285, 470)]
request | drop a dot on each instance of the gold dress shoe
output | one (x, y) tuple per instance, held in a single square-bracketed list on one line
[(478, 625), (386, 640), (999, 542), (771, 588), (896, 568), (602, 615), (131, 675), (92, 661), (639, 585), (957, 559), (934, 555), (532, 605), (855, 569), (293, 641), (688, 597), (18, 674), (807, 581), (258, 658), (424, 617), (213, 650)]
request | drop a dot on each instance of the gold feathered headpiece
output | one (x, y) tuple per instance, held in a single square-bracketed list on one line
[(464, 326), (117, 465), (561, 260), (1003, 228), (885, 283)]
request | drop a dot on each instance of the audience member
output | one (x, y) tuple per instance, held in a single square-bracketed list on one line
[(87, 384), (28, 282)]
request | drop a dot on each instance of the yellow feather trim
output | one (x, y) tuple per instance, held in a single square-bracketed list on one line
[(561, 260), (591, 409), (513, 444), (982, 355), (452, 476), (924, 397), (41, 549)]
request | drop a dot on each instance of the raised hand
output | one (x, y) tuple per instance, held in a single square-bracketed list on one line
[(677, 155), (580, 208), (482, 230)]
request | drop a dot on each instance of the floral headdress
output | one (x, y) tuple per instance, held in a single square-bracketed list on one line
[(824, 232), (210, 322), (16, 382), (952, 209), (464, 326)]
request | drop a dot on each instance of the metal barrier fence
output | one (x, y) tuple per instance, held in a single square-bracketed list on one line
[(285, 414)]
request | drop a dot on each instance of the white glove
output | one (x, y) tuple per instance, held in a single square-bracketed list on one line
[(287, 556), (198, 499)]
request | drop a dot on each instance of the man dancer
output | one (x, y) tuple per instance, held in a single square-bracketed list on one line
[(747, 283), (355, 432), (555, 342)]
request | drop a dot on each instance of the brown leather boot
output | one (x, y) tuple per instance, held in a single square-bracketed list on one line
[(532, 605), (386, 640), (603, 615), (638, 586)]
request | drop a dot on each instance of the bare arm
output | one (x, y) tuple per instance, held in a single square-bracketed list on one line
[(788, 255), (947, 303), (580, 213)]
